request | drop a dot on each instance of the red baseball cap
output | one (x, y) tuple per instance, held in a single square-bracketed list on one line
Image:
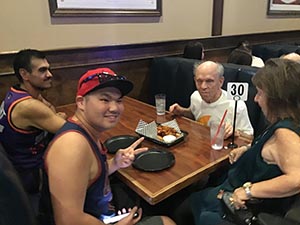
[(100, 78)]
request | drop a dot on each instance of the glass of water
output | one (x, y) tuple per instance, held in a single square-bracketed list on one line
[(160, 103)]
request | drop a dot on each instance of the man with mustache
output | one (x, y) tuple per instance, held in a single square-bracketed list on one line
[(27, 118)]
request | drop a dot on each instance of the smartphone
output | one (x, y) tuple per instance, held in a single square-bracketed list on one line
[(115, 219)]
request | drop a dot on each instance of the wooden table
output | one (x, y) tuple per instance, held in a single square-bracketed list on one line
[(194, 157)]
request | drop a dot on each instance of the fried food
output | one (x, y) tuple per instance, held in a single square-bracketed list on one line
[(165, 130)]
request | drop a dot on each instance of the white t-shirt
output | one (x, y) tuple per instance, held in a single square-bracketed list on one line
[(205, 112), (257, 62)]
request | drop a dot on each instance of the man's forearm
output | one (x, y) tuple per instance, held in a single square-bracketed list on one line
[(188, 113)]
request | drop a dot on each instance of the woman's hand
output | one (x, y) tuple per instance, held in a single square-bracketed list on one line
[(236, 153), (239, 198)]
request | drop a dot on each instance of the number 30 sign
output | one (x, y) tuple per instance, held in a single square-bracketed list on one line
[(237, 91)]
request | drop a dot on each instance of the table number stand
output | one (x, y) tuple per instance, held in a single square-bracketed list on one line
[(236, 91)]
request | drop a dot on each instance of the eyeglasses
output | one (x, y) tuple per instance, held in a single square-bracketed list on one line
[(103, 77)]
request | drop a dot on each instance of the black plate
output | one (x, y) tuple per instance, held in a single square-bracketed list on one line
[(162, 143), (154, 160), (122, 141)]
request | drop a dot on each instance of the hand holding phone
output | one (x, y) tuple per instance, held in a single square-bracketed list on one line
[(115, 219)]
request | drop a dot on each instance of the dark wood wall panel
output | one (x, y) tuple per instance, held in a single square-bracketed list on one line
[(132, 61), (65, 80), (217, 23)]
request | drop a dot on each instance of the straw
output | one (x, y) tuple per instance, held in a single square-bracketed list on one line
[(219, 127)]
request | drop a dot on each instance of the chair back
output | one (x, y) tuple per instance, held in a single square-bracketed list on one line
[(15, 208)]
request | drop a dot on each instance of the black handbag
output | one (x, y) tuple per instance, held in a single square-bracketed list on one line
[(246, 216)]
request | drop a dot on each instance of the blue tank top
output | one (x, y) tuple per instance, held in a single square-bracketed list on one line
[(25, 148), (99, 192)]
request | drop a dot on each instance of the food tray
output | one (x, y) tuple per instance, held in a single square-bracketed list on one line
[(149, 131)]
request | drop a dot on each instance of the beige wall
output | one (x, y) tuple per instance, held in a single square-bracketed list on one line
[(243, 17), (27, 24)]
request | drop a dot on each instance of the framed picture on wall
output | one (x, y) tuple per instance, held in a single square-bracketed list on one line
[(110, 8), (287, 8)]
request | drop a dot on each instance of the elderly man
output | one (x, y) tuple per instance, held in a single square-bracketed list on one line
[(26, 118), (76, 162), (209, 102)]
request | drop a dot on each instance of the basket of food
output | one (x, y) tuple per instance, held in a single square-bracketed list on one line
[(166, 134)]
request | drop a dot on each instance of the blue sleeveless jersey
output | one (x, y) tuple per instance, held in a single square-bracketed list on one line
[(25, 148), (99, 192)]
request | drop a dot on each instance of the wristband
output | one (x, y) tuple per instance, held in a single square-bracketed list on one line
[(247, 187)]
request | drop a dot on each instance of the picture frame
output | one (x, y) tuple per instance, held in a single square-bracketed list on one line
[(284, 8), (105, 8)]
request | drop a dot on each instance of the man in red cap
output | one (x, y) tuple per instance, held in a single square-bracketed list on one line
[(76, 161)]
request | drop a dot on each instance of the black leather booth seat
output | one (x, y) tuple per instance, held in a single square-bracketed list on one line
[(15, 208), (267, 51), (174, 77)]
